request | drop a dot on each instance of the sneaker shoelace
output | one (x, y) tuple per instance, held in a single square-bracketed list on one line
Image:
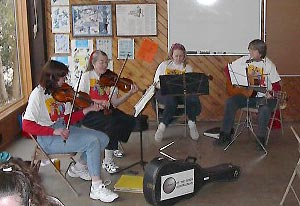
[(104, 189)]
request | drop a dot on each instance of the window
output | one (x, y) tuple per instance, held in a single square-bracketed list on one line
[(15, 79)]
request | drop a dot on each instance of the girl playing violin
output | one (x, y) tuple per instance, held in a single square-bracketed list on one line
[(117, 125), (46, 118), (176, 64)]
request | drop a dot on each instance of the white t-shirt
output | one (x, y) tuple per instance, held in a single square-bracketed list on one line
[(265, 68), (44, 109), (169, 67), (89, 84)]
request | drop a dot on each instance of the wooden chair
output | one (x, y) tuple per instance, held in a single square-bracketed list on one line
[(296, 172), (39, 154)]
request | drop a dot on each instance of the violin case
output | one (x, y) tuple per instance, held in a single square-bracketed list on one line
[(168, 181)]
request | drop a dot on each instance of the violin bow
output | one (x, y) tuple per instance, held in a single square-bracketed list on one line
[(119, 75), (73, 102)]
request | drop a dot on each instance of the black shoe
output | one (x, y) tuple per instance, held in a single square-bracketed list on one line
[(223, 139)]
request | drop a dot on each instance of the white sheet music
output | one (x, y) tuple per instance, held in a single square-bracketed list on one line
[(144, 100), (238, 76)]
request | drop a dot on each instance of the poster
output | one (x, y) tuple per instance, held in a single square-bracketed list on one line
[(92, 20)]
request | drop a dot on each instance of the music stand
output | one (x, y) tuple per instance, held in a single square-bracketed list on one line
[(183, 85), (240, 78), (139, 107)]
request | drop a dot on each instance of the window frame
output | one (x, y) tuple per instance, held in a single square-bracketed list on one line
[(24, 59)]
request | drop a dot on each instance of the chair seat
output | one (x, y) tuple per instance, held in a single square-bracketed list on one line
[(39, 155)]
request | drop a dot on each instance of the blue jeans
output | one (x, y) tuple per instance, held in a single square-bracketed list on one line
[(90, 142), (234, 103), (193, 106)]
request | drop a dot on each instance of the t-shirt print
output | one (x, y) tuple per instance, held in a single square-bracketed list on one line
[(97, 91), (55, 109), (174, 71), (257, 75)]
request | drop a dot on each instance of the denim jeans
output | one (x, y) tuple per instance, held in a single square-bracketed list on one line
[(237, 102), (90, 142), (193, 106)]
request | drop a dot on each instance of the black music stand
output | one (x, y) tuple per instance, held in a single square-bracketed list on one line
[(183, 85), (240, 78), (141, 124)]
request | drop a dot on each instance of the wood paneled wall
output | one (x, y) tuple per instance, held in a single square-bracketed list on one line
[(142, 72)]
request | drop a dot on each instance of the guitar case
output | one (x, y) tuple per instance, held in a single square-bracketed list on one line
[(166, 182)]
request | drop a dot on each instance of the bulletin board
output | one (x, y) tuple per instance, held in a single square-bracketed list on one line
[(223, 27)]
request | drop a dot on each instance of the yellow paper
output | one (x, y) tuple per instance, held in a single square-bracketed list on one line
[(129, 183)]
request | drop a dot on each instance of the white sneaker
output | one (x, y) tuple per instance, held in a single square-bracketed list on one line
[(118, 153), (83, 173), (159, 134), (193, 130), (103, 194), (110, 167)]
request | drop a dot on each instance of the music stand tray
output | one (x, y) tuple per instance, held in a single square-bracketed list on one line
[(188, 83)]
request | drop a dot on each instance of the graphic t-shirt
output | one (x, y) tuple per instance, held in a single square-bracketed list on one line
[(44, 109), (90, 84), (260, 73), (169, 67)]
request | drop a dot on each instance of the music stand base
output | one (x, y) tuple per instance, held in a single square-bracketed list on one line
[(248, 125), (141, 162)]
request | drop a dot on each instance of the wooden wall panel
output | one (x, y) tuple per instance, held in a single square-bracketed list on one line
[(142, 72)]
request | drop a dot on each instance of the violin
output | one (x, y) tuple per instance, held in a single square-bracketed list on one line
[(65, 93), (109, 79)]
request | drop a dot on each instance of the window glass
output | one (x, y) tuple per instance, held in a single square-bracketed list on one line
[(10, 84)]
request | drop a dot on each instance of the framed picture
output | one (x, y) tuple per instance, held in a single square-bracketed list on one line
[(92, 20), (136, 19), (60, 19)]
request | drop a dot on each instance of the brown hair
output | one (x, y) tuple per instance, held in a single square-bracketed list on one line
[(260, 46), (51, 73), (18, 178)]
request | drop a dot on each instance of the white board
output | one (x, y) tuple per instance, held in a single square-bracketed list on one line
[(224, 27)]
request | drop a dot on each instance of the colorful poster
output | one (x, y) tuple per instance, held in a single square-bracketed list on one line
[(81, 50)]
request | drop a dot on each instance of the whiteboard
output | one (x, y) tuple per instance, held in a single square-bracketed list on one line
[(224, 27)]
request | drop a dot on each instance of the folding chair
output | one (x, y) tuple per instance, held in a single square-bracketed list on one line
[(160, 107), (39, 154), (280, 105), (296, 172), (180, 115)]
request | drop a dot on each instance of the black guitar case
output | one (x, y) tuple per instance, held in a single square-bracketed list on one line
[(166, 182)]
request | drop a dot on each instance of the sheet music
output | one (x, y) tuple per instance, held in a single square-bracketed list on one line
[(144, 100), (237, 75)]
